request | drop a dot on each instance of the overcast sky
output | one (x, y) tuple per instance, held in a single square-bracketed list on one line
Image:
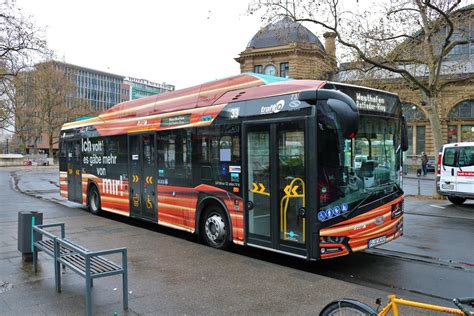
[(178, 42)]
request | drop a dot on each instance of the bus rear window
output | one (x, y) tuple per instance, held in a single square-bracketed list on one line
[(449, 156), (466, 156)]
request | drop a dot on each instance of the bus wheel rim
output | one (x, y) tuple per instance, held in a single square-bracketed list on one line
[(215, 228), (94, 201)]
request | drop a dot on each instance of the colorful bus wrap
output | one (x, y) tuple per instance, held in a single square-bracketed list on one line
[(252, 160)]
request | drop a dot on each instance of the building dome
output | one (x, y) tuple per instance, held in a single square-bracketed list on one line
[(282, 33)]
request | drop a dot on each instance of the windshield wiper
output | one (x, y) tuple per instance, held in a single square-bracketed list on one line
[(372, 193)]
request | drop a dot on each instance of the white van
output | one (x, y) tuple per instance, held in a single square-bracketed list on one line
[(358, 160), (457, 172)]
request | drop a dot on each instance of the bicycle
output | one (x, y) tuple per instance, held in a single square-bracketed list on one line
[(354, 307)]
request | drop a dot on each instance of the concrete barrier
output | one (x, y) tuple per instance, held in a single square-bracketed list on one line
[(11, 160)]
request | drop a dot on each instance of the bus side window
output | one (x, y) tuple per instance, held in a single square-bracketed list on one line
[(174, 156), (225, 148), (62, 155), (216, 149), (115, 156)]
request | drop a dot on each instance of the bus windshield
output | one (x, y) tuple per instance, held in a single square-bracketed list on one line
[(351, 170)]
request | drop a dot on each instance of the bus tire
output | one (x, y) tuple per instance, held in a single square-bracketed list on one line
[(456, 200), (94, 200), (215, 227)]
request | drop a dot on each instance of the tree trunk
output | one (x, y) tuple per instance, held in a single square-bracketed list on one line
[(50, 145), (435, 123)]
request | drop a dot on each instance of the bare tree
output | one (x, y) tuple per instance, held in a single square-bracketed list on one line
[(405, 40), (21, 43), (24, 112), (54, 94)]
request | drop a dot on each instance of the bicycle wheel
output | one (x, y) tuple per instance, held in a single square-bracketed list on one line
[(347, 308)]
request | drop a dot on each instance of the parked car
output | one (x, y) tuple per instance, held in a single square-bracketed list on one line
[(457, 172), (431, 164)]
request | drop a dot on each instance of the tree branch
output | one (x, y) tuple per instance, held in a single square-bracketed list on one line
[(405, 74), (446, 43)]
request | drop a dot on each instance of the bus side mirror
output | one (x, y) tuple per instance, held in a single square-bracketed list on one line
[(404, 139), (348, 119), (341, 104)]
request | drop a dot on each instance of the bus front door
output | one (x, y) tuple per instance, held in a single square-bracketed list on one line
[(74, 172), (275, 193), (142, 182)]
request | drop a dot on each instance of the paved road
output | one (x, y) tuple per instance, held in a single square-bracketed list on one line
[(172, 273)]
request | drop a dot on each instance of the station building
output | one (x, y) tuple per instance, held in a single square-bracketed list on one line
[(288, 49)]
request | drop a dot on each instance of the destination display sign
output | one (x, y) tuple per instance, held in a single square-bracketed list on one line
[(176, 120), (370, 100)]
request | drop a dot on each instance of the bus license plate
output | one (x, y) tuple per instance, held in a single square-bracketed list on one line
[(377, 241), (447, 186)]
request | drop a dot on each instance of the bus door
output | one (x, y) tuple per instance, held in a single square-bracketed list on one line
[(276, 193), (142, 182), (74, 172)]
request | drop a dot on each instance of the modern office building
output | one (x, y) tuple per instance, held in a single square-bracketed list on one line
[(139, 88), (101, 90)]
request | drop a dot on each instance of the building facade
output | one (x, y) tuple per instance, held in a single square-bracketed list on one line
[(101, 90), (455, 100), (288, 49), (139, 88)]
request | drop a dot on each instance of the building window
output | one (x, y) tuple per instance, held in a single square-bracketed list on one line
[(461, 131), (412, 112), (284, 68), (467, 133), (452, 133), (464, 32), (420, 139), (460, 51), (257, 69), (462, 110), (416, 133), (410, 140)]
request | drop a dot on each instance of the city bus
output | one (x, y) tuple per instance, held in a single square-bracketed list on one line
[(250, 160)]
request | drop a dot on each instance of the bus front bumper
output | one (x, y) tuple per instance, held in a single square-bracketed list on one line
[(362, 232)]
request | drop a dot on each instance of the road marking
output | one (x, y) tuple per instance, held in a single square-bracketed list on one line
[(437, 206), (420, 258)]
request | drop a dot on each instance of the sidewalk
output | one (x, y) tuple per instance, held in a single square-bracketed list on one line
[(169, 272), (429, 176)]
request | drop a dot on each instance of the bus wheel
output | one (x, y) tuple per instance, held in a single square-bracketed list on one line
[(456, 200), (94, 200), (215, 228)]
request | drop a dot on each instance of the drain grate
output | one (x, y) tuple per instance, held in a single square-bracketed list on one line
[(5, 286)]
